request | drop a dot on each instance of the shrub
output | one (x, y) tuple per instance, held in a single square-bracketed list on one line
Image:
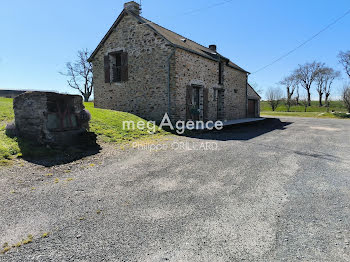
[(342, 115)]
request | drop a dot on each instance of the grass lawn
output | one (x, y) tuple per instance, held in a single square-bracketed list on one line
[(312, 111), (334, 105), (107, 124), (8, 146)]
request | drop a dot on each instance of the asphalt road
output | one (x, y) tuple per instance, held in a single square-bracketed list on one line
[(272, 192)]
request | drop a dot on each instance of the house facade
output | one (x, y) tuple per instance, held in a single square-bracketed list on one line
[(145, 69)]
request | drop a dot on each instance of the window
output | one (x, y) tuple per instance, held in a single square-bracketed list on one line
[(116, 62), (116, 67)]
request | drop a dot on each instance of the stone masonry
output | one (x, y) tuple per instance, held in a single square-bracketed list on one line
[(50, 118)]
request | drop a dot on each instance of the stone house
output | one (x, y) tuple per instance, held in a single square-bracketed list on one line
[(145, 69)]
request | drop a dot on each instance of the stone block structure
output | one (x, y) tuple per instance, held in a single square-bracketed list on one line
[(142, 68), (50, 118)]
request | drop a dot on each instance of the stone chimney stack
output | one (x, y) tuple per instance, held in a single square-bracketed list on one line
[(212, 48), (133, 7)]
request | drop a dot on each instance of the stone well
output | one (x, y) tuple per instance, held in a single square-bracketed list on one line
[(50, 118)]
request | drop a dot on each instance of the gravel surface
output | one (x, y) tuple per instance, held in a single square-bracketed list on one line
[(277, 191)]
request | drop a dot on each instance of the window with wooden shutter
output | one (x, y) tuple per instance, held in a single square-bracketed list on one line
[(119, 64), (107, 69)]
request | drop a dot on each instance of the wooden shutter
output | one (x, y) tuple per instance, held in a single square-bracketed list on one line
[(107, 69), (205, 104), (188, 102), (124, 67)]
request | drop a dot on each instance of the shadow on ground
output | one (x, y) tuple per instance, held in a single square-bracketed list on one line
[(245, 131), (51, 156)]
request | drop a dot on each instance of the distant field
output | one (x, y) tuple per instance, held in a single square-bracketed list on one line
[(334, 105), (312, 111)]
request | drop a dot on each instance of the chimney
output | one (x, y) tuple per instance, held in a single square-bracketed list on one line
[(212, 48), (133, 7)]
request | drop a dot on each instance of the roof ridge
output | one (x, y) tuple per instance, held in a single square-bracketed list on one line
[(172, 37)]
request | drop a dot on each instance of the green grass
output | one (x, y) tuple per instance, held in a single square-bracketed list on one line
[(312, 111), (334, 105), (8, 146), (107, 124)]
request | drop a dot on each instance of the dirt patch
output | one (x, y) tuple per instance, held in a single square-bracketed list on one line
[(324, 128)]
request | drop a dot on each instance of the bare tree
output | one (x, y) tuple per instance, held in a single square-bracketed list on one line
[(79, 74), (330, 76), (344, 59), (306, 74), (290, 82), (320, 82), (274, 97), (346, 97)]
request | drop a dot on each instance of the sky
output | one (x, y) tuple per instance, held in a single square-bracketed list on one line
[(39, 37)]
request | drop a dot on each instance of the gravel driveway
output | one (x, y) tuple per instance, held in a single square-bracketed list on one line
[(267, 192)]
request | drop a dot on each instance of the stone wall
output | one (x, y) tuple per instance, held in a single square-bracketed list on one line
[(235, 93), (47, 117), (252, 94), (146, 91), (192, 69)]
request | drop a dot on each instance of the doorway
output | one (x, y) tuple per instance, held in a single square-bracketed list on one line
[(251, 108)]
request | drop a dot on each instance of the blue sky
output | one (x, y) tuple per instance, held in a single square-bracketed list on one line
[(39, 37)]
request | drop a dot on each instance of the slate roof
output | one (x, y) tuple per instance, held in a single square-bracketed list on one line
[(172, 37)]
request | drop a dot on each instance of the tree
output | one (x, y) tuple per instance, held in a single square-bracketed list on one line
[(320, 79), (330, 75), (297, 96), (274, 97), (344, 59), (346, 97), (79, 74), (306, 74), (290, 82)]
